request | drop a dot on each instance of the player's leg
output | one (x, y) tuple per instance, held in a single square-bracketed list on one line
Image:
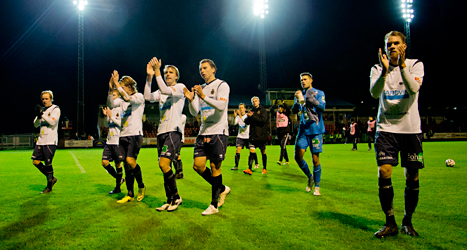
[(237, 155), (316, 148), (284, 148), (301, 144), (49, 152), (251, 158), (133, 151), (264, 157), (411, 200), (130, 182)]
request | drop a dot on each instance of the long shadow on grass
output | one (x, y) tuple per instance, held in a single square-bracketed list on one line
[(32, 213), (350, 220)]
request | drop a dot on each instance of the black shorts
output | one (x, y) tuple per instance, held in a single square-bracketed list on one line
[(258, 144), (169, 144), (131, 145), (389, 145), (213, 147), (241, 142), (113, 152), (44, 153)]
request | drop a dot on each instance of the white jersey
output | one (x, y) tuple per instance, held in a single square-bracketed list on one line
[(213, 108), (132, 116), (171, 101), (49, 126), (183, 127), (398, 109), (114, 123), (243, 129)]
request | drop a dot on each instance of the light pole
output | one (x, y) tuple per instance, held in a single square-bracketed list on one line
[(408, 15), (80, 105), (260, 8)]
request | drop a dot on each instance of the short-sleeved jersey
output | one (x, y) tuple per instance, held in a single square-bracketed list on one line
[(398, 109), (213, 120), (309, 125), (170, 107), (49, 126), (115, 123), (243, 129), (132, 116)]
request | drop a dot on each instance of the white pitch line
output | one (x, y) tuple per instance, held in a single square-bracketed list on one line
[(77, 162)]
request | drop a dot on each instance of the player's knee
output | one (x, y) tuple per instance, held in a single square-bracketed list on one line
[(385, 171), (105, 163), (36, 162)]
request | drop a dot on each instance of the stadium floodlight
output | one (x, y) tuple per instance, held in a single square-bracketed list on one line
[(80, 3), (407, 10), (260, 8)]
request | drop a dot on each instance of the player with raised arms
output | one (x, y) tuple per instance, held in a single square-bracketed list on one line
[(131, 136), (169, 134)]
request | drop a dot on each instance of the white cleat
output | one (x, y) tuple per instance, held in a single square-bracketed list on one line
[(222, 196), (316, 192), (210, 210), (174, 205), (310, 184), (163, 207)]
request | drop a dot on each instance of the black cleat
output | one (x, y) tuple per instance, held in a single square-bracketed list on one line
[(387, 230), (408, 230), (115, 191), (179, 175)]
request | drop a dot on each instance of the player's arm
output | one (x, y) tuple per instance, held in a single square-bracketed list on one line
[(413, 77), (222, 94), (378, 75), (193, 101)]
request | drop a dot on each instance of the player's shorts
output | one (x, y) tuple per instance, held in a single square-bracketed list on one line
[(169, 144), (44, 153), (389, 145), (113, 152), (131, 145), (258, 144), (213, 147), (241, 142), (315, 142)]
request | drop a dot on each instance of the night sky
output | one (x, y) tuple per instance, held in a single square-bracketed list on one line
[(337, 41)]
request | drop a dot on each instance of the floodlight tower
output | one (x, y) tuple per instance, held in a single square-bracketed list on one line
[(80, 107), (408, 15), (260, 8)]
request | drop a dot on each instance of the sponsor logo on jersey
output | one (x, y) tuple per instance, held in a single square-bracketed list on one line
[(396, 94)]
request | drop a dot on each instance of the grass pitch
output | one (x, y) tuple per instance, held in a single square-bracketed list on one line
[(270, 211)]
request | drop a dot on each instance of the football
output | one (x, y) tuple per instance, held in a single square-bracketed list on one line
[(450, 163)]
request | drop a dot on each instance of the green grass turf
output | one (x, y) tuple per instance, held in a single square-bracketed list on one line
[(270, 211)]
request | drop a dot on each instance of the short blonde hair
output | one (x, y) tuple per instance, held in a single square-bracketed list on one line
[(51, 94), (254, 97), (177, 73), (128, 81)]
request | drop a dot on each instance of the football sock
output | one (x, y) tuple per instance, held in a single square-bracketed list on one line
[(237, 159), (216, 189), (286, 157), (207, 175), (251, 158), (386, 196), (170, 185), (411, 200), (111, 170), (50, 175), (304, 167), (41, 168), (317, 174), (138, 176), (130, 182), (180, 166), (118, 177), (265, 160)]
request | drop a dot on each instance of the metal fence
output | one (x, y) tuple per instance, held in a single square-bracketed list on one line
[(17, 141)]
